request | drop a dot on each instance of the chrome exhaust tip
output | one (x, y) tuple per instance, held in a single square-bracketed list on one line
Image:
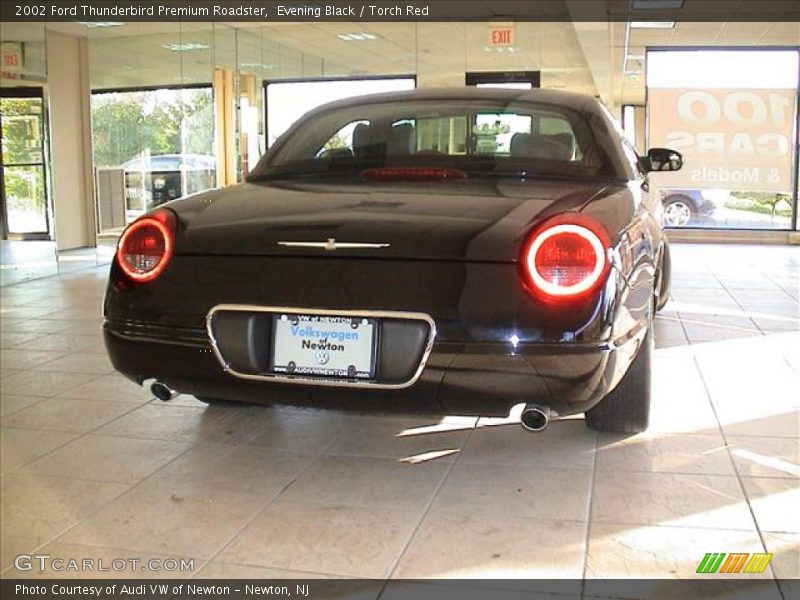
[(162, 391), (535, 417)]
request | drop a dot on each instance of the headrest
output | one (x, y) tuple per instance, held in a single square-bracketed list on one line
[(544, 147), (402, 140), (567, 140), (520, 143)]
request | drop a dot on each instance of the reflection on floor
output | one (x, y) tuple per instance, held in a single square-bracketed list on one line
[(20, 261), (92, 467), (28, 260)]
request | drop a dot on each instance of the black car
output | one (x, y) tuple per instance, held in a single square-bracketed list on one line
[(380, 258)]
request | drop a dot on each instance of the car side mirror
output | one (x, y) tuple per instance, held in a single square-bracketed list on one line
[(662, 159)]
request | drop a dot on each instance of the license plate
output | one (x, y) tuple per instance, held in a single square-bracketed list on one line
[(324, 346)]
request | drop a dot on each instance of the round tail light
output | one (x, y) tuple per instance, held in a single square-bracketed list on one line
[(566, 257), (146, 246)]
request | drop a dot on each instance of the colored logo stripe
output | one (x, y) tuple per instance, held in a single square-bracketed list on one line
[(758, 563), (710, 562), (734, 563), (713, 562)]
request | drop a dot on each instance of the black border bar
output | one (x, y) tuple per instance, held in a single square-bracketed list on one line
[(742, 587), (266, 11)]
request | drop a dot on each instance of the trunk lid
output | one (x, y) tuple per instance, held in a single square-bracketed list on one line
[(467, 220)]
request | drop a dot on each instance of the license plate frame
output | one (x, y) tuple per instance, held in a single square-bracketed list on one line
[(317, 346)]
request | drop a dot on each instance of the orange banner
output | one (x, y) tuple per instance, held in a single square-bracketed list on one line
[(730, 139)]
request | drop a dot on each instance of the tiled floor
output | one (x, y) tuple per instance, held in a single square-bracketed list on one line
[(92, 467), (22, 261)]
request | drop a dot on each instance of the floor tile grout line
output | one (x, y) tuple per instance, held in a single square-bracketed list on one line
[(50, 309), (261, 511), (427, 508), (240, 564), (91, 376), (79, 435), (14, 412), (44, 278), (739, 304), (738, 476), (37, 336), (766, 334), (773, 282), (587, 540), (127, 490), (38, 367), (128, 487)]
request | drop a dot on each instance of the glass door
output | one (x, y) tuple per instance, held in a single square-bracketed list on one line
[(23, 181)]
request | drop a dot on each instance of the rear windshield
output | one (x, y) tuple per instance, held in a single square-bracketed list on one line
[(475, 136)]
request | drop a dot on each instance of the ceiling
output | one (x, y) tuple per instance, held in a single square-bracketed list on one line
[(600, 58)]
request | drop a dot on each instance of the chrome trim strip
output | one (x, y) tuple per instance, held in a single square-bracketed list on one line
[(304, 380), (332, 244)]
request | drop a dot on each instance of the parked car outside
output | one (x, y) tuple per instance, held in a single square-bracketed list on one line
[(163, 177), (682, 207)]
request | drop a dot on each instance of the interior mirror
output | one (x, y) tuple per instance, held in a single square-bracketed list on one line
[(662, 159)]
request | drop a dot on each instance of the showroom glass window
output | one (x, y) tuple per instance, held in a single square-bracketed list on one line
[(732, 114), (161, 139)]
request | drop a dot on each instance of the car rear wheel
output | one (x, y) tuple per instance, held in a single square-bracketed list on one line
[(627, 408), (678, 212)]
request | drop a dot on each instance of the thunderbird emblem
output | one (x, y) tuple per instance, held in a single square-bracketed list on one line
[(331, 244)]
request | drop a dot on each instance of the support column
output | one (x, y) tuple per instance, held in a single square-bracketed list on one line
[(69, 99)]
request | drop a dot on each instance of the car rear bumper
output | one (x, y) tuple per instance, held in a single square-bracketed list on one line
[(469, 378)]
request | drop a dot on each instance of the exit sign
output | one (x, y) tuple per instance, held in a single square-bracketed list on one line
[(501, 34), (11, 60)]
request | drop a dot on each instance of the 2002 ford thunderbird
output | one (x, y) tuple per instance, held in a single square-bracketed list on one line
[(448, 251)]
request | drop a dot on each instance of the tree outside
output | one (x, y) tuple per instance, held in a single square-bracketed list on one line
[(23, 178), (129, 124), (769, 203)]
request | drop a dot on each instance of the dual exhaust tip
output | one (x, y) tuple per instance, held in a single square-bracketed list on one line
[(534, 417), (162, 391)]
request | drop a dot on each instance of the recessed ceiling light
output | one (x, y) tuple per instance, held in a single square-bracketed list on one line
[(500, 49), (185, 47), (635, 56), (94, 24), (255, 65), (356, 37), (656, 4), (652, 24)]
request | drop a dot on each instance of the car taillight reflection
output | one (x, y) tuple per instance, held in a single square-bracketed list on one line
[(566, 257), (146, 246)]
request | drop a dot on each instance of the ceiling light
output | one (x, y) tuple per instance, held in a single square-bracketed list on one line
[(635, 56), (652, 24), (185, 47), (500, 49), (356, 37), (656, 4), (255, 65), (93, 24)]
